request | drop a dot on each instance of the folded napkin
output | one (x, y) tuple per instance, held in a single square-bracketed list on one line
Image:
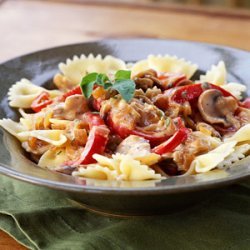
[(40, 218)]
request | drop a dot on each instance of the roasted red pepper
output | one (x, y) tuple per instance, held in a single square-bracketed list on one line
[(193, 91), (115, 128), (75, 91), (41, 101), (96, 143), (155, 138), (93, 119), (97, 140), (97, 104), (169, 145), (172, 80), (179, 123)]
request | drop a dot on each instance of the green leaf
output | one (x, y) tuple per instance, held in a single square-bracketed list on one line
[(107, 85), (102, 79), (87, 89), (122, 74), (125, 87), (89, 78), (87, 84), (123, 84)]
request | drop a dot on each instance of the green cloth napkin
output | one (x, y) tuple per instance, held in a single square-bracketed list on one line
[(40, 218)]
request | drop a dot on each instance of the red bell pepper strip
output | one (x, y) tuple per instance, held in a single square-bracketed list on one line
[(97, 104), (93, 119), (155, 138), (75, 91), (96, 143), (246, 103), (97, 140), (122, 131), (172, 80), (41, 101), (169, 145), (193, 91), (179, 122)]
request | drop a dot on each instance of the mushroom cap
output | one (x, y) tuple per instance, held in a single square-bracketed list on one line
[(215, 108), (146, 79)]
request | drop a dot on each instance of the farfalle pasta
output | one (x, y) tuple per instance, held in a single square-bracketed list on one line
[(53, 137), (218, 75), (242, 135), (240, 152), (119, 167), (13, 127), (23, 93), (53, 158), (132, 121), (165, 64), (78, 67), (206, 162)]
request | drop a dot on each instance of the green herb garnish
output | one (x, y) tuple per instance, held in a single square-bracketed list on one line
[(87, 84), (122, 74), (122, 83), (125, 87)]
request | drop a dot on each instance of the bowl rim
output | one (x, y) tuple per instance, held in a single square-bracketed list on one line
[(110, 40), (168, 189), (69, 187)]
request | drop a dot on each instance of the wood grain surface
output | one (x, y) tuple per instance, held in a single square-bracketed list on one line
[(27, 26), (31, 25), (8, 243)]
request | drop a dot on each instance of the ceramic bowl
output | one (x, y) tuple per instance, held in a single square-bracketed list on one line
[(141, 197)]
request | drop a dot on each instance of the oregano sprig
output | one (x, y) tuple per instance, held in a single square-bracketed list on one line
[(122, 83)]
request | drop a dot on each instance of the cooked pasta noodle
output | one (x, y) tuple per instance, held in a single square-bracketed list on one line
[(121, 167), (236, 89), (12, 127), (165, 63), (54, 137), (217, 74), (22, 94), (78, 67), (206, 162), (53, 158), (239, 153), (243, 134)]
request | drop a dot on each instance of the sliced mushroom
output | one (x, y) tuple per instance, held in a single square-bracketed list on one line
[(217, 109), (146, 79), (140, 95)]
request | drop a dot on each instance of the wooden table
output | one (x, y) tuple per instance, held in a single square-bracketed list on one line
[(27, 26)]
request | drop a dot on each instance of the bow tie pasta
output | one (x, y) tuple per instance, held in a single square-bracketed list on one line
[(218, 75)]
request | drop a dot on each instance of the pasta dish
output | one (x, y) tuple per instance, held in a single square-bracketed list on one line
[(114, 120)]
